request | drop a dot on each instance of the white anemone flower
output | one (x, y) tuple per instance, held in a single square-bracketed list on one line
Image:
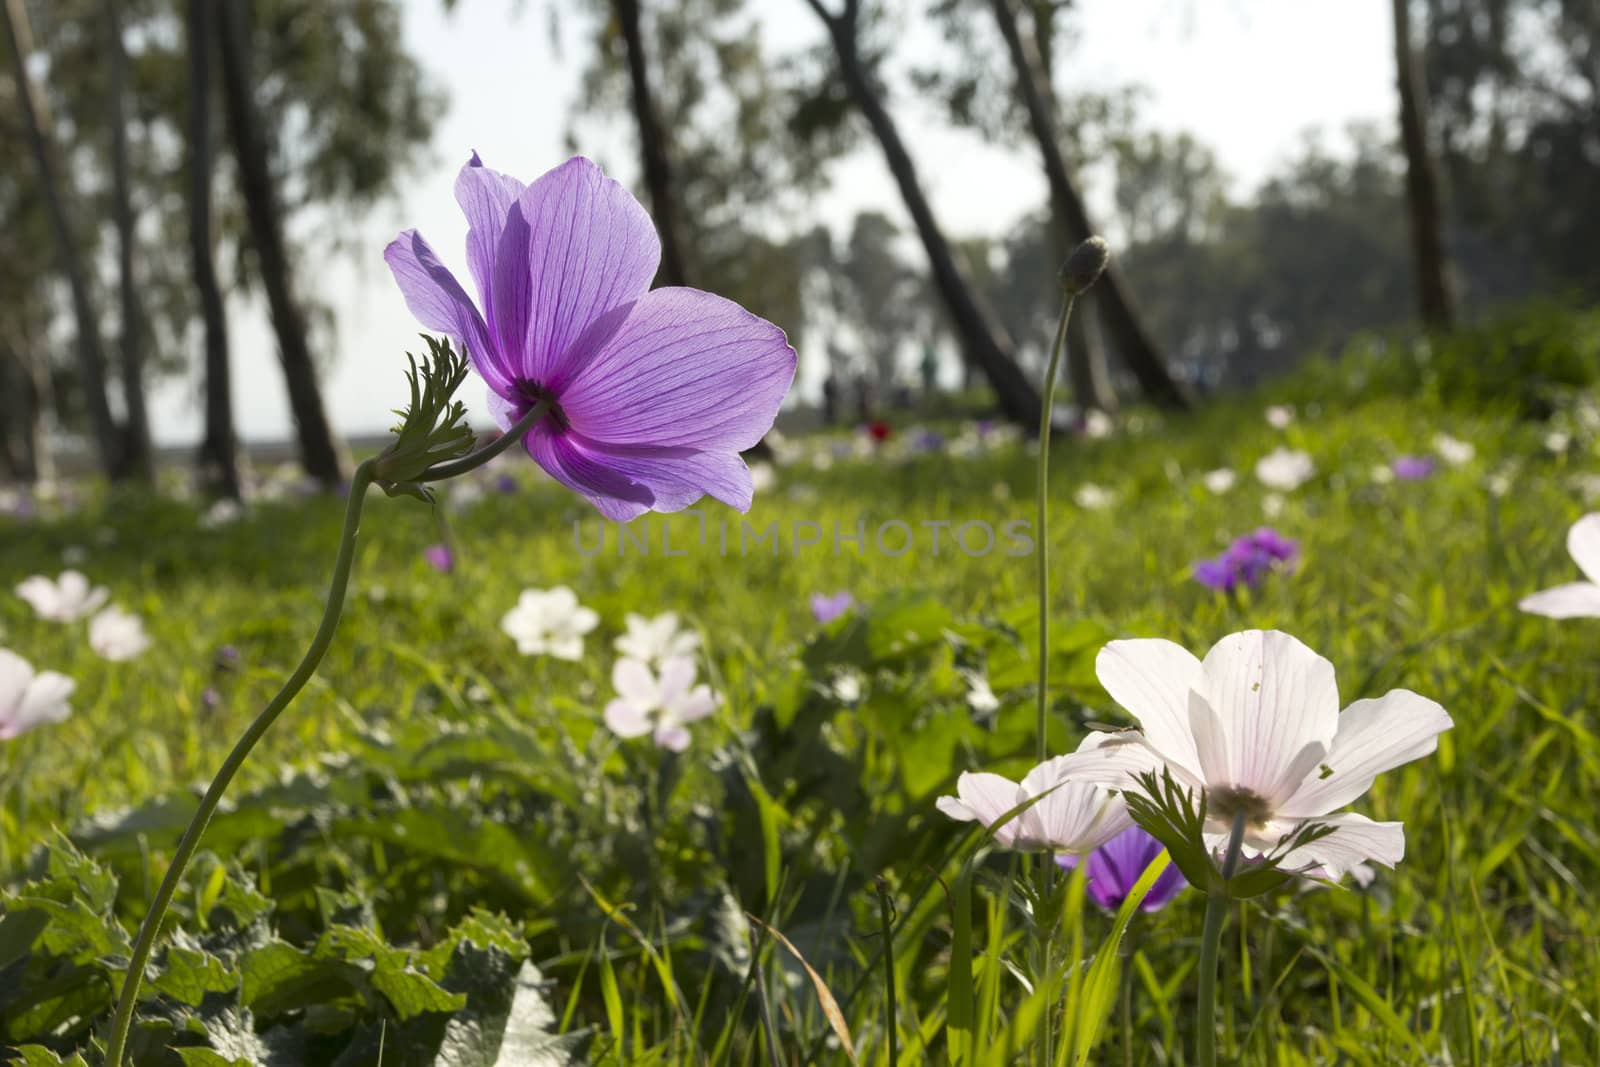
[(1452, 450), (1075, 815), (549, 622), (29, 698), (1221, 480), (1575, 600), (68, 599), (1092, 497), (662, 705), (117, 635), (656, 640), (1257, 727), (1285, 469), (1279, 416)]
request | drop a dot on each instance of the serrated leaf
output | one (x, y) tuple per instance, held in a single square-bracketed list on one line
[(39, 1056)]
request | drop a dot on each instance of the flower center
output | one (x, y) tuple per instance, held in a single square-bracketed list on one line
[(1227, 802), (531, 393)]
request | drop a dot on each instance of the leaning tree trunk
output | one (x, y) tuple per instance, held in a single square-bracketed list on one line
[(136, 431), (1434, 298), (319, 453), (654, 155), (91, 357), (1017, 398), (218, 457), (1127, 332)]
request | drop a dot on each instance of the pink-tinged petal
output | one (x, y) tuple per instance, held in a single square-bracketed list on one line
[(683, 368), (624, 482), (1374, 736), (672, 737), (439, 303), (1210, 741), (591, 248), (1116, 760), (1275, 698), (1356, 839), (626, 720), (697, 705), (1583, 542), (1152, 679), (15, 674), (635, 684), (1576, 600), (486, 197), (677, 675)]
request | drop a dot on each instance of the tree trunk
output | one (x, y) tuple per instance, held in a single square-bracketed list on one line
[(319, 453), (91, 356), (654, 155), (1111, 295), (979, 337), (218, 457), (25, 398), (136, 430), (1434, 298)]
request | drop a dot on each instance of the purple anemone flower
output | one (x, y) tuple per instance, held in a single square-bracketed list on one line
[(825, 608), (652, 394), (1412, 468), (1115, 867), (1247, 561), (440, 558)]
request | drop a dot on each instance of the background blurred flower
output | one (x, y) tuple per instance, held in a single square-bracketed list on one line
[(662, 705), (1247, 560), (1576, 599), (440, 558), (825, 607), (1074, 816), (1452, 451), (1116, 866), (29, 699), (68, 599), (1220, 480), (549, 623), (1092, 497), (117, 635), (1279, 416), (1412, 468), (1285, 469), (656, 640)]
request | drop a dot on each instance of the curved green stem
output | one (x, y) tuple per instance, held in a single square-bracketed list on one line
[(368, 472), (1210, 945), (1043, 494)]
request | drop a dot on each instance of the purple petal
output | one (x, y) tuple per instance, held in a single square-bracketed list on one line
[(485, 196), (625, 482), (684, 368), (1116, 866), (590, 248), (1216, 574), (439, 303)]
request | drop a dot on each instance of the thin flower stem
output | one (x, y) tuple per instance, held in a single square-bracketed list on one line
[(365, 475), (1043, 494), (474, 460), (1210, 945)]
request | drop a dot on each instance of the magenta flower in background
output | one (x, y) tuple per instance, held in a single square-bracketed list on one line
[(654, 393), (1412, 468), (440, 558), (825, 607), (1115, 867)]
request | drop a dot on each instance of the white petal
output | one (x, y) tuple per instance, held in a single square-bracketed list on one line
[(1115, 760), (677, 675), (15, 675), (1356, 839), (1210, 741), (1275, 697), (695, 705), (1583, 542), (1074, 816), (1577, 600), (562, 646), (1374, 736), (1152, 680), (626, 720), (984, 797), (582, 620), (634, 683)]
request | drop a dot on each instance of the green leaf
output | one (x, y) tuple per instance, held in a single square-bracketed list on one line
[(39, 1056)]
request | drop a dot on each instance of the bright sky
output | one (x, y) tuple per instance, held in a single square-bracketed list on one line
[(1247, 77)]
